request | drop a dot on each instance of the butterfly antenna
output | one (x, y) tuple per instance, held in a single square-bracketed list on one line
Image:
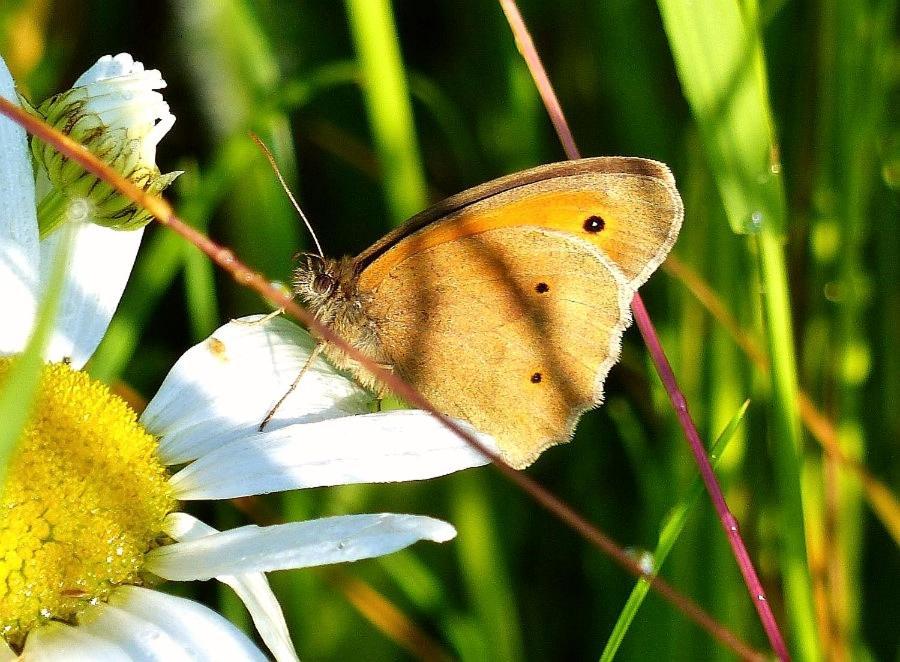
[(268, 155)]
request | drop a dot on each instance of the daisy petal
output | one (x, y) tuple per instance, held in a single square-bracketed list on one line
[(252, 588), (109, 67), (222, 389), (294, 545), (373, 448), (64, 643), (19, 253), (151, 625), (6, 653), (99, 267), (137, 638)]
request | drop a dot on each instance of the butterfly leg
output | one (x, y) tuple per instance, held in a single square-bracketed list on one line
[(262, 320), (381, 391), (312, 358)]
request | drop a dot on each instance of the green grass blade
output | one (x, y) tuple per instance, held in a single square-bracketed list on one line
[(199, 273), (200, 292), (24, 376), (487, 581), (669, 533), (388, 105), (720, 63), (161, 259), (857, 65), (786, 442), (236, 75), (719, 58)]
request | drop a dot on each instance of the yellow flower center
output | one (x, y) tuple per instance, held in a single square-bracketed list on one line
[(84, 500)]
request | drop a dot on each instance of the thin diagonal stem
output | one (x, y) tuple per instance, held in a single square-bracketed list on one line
[(663, 368), (246, 277), (821, 428)]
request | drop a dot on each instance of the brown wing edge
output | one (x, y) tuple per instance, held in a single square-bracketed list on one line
[(625, 165), (668, 180), (625, 295)]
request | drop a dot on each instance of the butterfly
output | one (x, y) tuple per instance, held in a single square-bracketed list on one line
[(505, 305)]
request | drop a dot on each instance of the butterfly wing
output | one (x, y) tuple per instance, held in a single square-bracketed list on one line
[(505, 305), (512, 329)]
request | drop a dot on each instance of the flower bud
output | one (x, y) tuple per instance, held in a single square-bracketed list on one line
[(115, 111)]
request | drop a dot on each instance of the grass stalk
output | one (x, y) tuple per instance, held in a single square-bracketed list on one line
[(387, 101), (20, 387), (388, 105), (786, 443)]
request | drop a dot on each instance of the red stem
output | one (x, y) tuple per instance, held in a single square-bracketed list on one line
[(663, 367), (728, 520)]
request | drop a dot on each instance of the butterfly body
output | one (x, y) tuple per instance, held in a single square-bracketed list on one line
[(505, 305)]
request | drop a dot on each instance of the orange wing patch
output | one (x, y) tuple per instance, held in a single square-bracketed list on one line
[(634, 220)]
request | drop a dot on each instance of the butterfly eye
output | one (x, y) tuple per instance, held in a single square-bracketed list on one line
[(323, 284)]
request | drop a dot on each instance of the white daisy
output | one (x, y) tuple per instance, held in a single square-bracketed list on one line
[(89, 517)]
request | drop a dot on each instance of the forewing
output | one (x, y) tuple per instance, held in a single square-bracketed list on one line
[(632, 201)]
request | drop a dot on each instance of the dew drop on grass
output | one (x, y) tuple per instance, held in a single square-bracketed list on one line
[(647, 562), (754, 223)]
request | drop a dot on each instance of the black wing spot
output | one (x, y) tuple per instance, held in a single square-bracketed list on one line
[(541, 288), (594, 224), (536, 378)]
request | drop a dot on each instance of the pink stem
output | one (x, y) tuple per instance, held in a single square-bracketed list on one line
[(728, 520), (663, 367)]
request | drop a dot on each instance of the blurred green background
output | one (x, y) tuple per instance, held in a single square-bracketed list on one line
[(779, 121)]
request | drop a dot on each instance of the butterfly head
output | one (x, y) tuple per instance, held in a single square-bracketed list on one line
[(325, 285)]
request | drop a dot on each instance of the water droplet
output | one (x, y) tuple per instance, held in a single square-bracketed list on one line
[(755, 222), (761, 597), (78, 210), (647, 562), (832, 291), (149, 635)]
